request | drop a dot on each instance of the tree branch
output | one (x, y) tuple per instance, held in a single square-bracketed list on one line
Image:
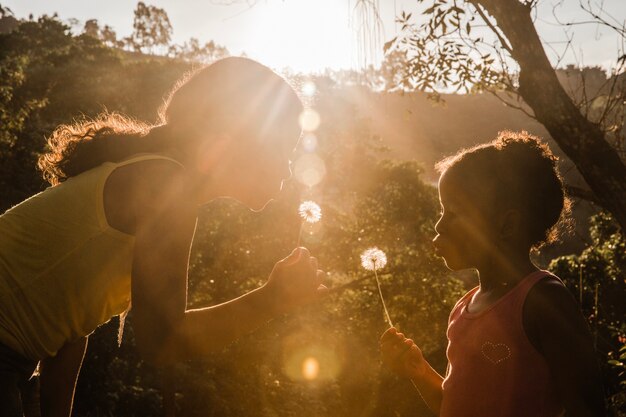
[(503, 41)]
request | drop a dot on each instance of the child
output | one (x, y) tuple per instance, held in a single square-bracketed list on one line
[(119, 220), (518, 344)]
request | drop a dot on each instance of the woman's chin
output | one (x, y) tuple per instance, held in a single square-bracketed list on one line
[(450, 265), (260, 206)]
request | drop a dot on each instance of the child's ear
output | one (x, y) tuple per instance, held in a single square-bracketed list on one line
[(510, 224)]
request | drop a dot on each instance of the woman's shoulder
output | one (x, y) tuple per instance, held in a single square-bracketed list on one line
[(139, 185)]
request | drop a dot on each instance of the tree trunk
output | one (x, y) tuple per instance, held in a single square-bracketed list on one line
[(581, 140)]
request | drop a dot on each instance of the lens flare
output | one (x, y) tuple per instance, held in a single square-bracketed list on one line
[(310, 368), (309, 142), (309, 170), (307, 361), (309, 120), (308, 89)]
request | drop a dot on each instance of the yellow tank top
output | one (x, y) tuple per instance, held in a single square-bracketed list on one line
[(63, 269)]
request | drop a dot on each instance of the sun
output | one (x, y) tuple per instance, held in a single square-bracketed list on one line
[(305, 35)]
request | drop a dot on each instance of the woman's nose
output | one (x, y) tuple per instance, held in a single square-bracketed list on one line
[(288, 172)]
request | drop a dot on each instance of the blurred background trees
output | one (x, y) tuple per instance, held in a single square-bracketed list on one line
[(378, 142)]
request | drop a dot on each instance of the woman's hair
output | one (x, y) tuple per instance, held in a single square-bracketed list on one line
[(86, 143), (234, 95), (521, 173)]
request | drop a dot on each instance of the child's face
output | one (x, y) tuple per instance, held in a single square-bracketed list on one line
[(466, 229)]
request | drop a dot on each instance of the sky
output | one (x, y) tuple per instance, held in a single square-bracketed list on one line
[(311, 35)]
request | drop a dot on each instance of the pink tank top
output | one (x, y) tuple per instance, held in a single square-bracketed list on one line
[(493, 369)]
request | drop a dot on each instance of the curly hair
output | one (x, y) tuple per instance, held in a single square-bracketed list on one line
[(522, 172), (76, 147)]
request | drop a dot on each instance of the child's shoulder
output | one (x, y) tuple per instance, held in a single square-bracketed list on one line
[(558, 330), (462, 302), (548, 308), (549, 296)]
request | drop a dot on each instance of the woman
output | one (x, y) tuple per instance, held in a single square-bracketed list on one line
[(119, 220)]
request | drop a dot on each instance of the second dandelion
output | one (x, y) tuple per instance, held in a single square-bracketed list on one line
[(374, 259)]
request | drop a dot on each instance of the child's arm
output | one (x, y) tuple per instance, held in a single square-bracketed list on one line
[(403, 357), (556, 327), (58, 379)]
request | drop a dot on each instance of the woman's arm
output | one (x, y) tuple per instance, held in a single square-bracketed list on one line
[(58, 379), (556, 327), (165, 331)]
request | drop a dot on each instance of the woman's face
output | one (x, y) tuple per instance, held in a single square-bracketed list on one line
[(465, 230), (248, 170), (262, 174)]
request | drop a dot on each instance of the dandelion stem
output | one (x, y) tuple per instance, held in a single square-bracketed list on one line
[(300, 234), (416, 388), (382, 299)]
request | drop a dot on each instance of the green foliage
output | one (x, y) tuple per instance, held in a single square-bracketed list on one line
[(618, 400), (151, 29), (193, 51), (597, 277), (443, 54), (105, 34)]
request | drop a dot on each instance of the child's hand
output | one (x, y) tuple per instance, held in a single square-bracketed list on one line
[(401, 355)]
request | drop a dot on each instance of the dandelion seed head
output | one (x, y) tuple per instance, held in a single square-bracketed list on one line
[(373, 259), (310, 211)]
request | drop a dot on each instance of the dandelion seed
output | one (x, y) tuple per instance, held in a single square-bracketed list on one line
[(373, 259), (310, 212)]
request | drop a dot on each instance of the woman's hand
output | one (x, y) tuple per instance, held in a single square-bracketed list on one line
[(295, 281), (401, 355)]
